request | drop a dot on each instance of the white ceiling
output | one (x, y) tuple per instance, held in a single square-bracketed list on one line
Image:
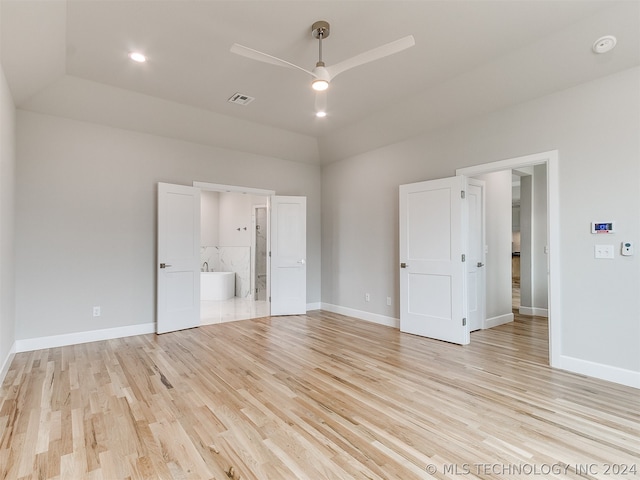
[(470, 57)]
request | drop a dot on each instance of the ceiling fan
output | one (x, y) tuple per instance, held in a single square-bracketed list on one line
[(322, 75)]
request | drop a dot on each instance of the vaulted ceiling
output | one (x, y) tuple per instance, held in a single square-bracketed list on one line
[(470, 57)]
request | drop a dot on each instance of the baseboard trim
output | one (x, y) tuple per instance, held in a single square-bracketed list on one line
[(368, 316), (314, 306), (499, 320), (7, 363), (575, 365), (535, 311), (622, 376), (30, 344)]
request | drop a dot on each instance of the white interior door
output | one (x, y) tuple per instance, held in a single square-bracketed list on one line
[(433, 274), (288, 255), (476, 271), (178, 284)]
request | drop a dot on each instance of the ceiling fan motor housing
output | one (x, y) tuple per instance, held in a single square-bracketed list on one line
[(320, 29)]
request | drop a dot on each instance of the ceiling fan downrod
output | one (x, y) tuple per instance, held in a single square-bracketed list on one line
[(320, 30)]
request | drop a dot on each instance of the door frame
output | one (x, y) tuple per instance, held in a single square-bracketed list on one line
[(482, 293), (218, 187), (550, 158)]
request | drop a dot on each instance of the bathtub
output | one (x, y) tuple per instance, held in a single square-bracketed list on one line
[(216, 286)]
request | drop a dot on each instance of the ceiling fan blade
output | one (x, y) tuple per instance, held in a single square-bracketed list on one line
[(371, 55), (264, 57)]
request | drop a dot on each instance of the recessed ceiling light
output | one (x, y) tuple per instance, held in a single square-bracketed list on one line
[(137, 57), (604, 44), (321, 114)]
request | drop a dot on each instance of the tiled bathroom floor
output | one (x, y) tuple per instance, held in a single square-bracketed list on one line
[(232, 309)]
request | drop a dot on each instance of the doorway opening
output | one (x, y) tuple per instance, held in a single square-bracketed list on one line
[(233, 253), (186, 264), (515, 242), (550, 260), (259, 252), (530, 247)]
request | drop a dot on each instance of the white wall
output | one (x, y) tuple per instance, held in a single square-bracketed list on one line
[(526, 243), (7, 184), (594, 127), (86, 217), (534, 282), (85, 100), (223, 213), (235, 212), (209, 218)]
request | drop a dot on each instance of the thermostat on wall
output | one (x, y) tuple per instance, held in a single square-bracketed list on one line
[(602, 227)]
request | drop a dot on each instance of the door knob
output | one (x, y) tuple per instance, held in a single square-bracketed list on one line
[(403, 265), (164, 265), (480, 264)]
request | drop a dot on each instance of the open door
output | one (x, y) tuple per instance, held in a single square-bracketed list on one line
[(178, 284), (476, 276), (433, 297), (288, 255)]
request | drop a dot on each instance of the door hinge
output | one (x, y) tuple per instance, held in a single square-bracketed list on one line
[(269, 298), (269, 252), (464, 257), (464, 322), (462, 194)]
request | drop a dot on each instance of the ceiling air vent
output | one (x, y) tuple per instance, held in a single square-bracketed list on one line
[(241, 99)]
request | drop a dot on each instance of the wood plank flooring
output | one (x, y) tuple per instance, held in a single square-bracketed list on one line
[(319, 396)]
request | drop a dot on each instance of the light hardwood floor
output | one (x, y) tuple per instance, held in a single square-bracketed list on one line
[(319, 396)]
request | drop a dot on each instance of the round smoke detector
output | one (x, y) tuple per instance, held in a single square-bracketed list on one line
[(604, 44)]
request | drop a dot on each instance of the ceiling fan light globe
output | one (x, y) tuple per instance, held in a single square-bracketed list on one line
[(319, 85)]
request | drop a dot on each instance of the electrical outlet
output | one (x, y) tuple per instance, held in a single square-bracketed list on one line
[(388, 300), (96, 311), (367, 297)]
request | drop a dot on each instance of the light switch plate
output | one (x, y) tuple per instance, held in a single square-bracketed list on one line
[(603, 251)]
